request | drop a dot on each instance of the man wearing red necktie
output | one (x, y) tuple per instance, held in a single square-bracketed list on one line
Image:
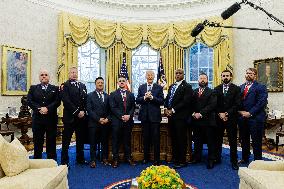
[(252, 115)]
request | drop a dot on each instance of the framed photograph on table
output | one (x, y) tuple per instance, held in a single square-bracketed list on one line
[(270, 73), (16, 71)]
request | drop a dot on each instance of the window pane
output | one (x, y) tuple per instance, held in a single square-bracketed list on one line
[(193, 75), (143, 58), (88, 64)]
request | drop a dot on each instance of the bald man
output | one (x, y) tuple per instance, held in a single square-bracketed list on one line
[(150, 97), (43, 100)]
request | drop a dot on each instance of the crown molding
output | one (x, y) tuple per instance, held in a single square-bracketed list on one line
[(141, 11)]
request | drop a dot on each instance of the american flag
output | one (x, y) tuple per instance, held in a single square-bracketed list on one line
[(123, 70), (161, 77)]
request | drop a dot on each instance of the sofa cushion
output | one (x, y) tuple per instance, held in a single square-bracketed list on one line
[(14, 157), (45, 178), (262, 179)]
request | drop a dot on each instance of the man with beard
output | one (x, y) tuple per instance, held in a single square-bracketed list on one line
[(228, 102), (204, 124), (252, 115), (150, 97), (177, 110)]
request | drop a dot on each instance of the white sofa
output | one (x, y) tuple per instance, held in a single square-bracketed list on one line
[(262, 175)]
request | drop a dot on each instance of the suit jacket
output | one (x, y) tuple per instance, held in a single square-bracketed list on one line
[(150, 109), (206, 106), (229, 103), (117, 107), (181, 102), (74, 100), (255, 101), (97, 109), (38, 97)]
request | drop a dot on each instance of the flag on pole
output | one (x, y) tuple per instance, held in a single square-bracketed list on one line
[(124, 72), (161, 77)]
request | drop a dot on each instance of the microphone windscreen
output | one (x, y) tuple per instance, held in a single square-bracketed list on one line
[(230, 11), (198, 28)]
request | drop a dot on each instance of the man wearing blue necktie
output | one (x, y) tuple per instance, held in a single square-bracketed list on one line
[(177, 109), (43, 99), (252, 115), (150, 97), (122, 105)]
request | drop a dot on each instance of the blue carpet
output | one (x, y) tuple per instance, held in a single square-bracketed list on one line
[(83, 177)]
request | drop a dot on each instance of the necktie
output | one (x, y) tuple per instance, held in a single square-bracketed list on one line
[(246, 90), (101, 96), (149, 88), (200, 91), (173, 89), (226, 88), (123, 93), (44, 87)]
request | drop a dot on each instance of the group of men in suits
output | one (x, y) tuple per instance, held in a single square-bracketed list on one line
[(204, 111)]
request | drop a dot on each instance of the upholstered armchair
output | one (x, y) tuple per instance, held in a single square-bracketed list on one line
[(262, 175)]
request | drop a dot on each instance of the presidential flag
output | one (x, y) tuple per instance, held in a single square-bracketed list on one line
[(124, 72), (161, 77)]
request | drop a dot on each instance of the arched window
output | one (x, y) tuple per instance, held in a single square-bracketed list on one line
[(199, 59), (143, 58), (91, 64)]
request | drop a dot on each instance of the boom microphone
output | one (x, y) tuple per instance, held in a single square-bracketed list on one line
[(231, 10), (198, 28)]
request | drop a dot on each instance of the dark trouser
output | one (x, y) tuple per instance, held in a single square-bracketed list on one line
[(208, 133), (121, 133), (151, 135), (68, 131), (103, 138), (250, 127), (178, 128), (232, 132), (39, 129)]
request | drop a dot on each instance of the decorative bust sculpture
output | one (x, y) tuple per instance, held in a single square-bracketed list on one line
[(24, 109)]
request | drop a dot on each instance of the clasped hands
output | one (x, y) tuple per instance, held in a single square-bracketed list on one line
[(148, 95), (223, 116), (196, 115), (43, 110), (245, 114), (168, 112), (103, 121), (125, 118)]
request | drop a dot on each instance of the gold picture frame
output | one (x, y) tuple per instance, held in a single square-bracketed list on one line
[(270, 73), (16, 71)]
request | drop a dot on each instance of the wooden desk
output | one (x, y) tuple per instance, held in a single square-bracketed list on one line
[(21, 123), (165, 144)]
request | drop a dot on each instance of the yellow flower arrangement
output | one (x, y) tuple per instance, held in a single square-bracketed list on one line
[(161, 177)]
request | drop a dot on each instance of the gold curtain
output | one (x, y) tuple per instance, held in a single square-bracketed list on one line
[(118, 37)]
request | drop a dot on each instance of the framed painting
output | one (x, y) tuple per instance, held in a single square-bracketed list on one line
[(270, 73), (16, 71)]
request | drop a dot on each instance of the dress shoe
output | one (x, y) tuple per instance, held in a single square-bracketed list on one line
[(82, 162), (114, 164), (243, 161), (195, 161), (156, 163), (210, 164), (93, 164), (145, 161), (180, 165), (105, 162), (131, 162), (235, 166)]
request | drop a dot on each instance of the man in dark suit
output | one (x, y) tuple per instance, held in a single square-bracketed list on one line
[(177, 109), (150, 97), (122, 105), (43, 100), (98, 120), (252, 115), (228, 103), (204, 123), (74, 97)]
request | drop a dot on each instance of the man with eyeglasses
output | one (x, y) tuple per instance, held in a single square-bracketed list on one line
[(74, 97), (150, 97), (122, 105), (177, 109), (252, 115), (43, 100)]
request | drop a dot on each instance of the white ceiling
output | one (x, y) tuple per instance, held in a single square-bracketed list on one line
[(142, 10)]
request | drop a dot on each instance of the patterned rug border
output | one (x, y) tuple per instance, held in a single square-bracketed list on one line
[(128, 180)]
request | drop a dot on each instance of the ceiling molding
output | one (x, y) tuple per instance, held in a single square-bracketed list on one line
[(141, 10)]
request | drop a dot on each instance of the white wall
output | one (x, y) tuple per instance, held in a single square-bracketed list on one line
[(253, 45), (30, 26)]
